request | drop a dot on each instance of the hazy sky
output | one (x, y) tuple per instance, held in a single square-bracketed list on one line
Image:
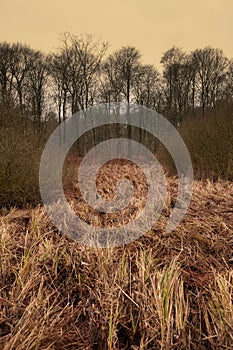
[(153, 26)]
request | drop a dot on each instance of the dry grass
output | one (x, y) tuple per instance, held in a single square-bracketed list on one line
[(164, 291)]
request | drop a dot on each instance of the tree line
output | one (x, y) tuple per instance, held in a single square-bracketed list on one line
[(81, 73)]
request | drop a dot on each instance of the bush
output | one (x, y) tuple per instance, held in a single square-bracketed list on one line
[(21, 147), (210, 143)]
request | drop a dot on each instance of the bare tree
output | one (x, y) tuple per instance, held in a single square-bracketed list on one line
[(36, 84), (88, 55), (147, 87), (211, 67), (179, 77), (229, 81), (120, 70), (58, 68), (22, 58), (170, 61), (6, 81), (74, 72)]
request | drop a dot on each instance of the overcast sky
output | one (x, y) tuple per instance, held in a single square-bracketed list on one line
[(152, 26)]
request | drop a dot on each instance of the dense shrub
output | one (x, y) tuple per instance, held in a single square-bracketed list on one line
[(21, 147), (209, 140)]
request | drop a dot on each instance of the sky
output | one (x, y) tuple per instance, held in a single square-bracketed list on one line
[(152, 26)]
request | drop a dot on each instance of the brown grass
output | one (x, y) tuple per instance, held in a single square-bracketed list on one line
[(164, 291)]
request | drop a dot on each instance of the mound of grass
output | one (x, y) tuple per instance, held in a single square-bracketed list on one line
[(163, 291)]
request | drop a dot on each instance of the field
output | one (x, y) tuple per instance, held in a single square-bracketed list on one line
[(163, 291), (102, 274)]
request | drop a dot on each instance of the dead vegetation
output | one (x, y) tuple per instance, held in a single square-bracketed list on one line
[(163, 291)]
